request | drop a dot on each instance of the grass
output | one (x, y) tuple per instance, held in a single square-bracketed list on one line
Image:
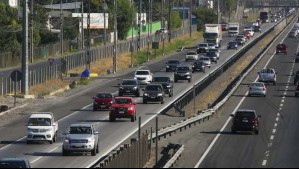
[(47, 88), (84, 81)]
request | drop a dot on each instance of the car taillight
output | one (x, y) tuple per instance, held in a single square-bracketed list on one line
[(264, 89)]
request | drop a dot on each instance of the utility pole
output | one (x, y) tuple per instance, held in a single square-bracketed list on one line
[(132, 42), (115, 38), (31, 32), (88, 60), (163, 26), (148, 32), (218, 11), (191, 8), (61, 29), (82, 24), (105, 32), (169, 21), (139, 26), (25, 49)]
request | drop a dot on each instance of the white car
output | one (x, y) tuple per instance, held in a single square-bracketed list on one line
[(144, 77), (268, 76), (191, 56), (41, 127), (250, 29), (206, 61), (81, 138), (258, 89), (212, 46), (202, 48)]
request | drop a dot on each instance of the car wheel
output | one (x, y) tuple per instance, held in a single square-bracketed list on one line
[(265, 95), (132, 119), (167, 70), (171, 94), (189, 80), (144, 102), (94, 109), (94, 152), (137, 94), (162, 102), (29, 142), (274, 83), (233, 131), (98, 150), (51, 142), (256, 132), (111, 119), (55, 137), (64, 152)]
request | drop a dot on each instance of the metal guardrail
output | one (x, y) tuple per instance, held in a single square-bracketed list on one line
[(176, 156)]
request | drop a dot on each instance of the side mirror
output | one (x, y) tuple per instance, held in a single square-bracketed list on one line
[(96, 133), (54, 124)]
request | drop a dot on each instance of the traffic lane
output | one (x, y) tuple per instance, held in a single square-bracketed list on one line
[(244, 150)]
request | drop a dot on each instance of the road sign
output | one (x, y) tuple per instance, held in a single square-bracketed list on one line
[(16, 76)]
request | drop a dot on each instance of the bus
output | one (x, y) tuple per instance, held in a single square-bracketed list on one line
[(264, 17)]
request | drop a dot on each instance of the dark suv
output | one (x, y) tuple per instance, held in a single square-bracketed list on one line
[(246, 120), (129, 87), (166, 83), (153, 93), (296, 78), (281, 48), (171, 65), (198, 66), (14, 163), (183, 73)]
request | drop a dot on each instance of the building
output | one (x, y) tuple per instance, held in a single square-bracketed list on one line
[(12, 3)]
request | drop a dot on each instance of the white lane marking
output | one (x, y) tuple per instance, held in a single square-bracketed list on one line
[(270, 145), (281, 105), (283, 97), (274, 131), (264, 163), (277, 119), (282, 101), (272, 138), (275, 125), (285, 93)]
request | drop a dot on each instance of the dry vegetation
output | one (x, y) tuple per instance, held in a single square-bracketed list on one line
[(47, 88), (222, 82)]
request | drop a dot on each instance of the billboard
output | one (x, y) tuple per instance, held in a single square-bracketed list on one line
[(143, 19), (96, 20)]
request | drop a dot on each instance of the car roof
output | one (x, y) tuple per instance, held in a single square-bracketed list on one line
[(14, 159), (42, 115), (81, 125), (124, 98), (246, 110)]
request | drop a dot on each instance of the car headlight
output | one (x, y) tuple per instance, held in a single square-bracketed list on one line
[(67, 140), (131, 108), (167, 66), (48, 130), (90, 140), (135, 88), (29, 130), (168, 86), (188, 73), (145, 94), (135, 78), (160, 94)]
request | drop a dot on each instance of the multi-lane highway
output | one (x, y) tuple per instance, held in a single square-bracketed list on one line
[(111, 134), (276, 145)]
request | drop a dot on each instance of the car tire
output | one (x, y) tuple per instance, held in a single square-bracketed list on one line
[(144, 102), (65, 153), (171, 94), (111, 119), (167, 70), (137, 94), (256, 132), (29, 142), (233, 131), (189, 80), (274, 83), (98, 150), (265, 95), (162, 102), (94, 152), (55, 138), (132, 119), (51, 142), (94, 109)]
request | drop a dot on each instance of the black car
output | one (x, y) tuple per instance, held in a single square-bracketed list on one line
[(153, 93), (232, 45), (14, 163), (213, 56), (257, 29), (296, 78), (129, 87), (171, 65), (166, 83), (183, 73), (199, 66), (246, 120), (240, 41), (297, 58)]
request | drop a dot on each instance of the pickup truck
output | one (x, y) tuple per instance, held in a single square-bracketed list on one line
[(41, 127), (268, 76), (81, 138), (191, 56)]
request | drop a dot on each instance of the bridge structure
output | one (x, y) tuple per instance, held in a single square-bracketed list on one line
[(272, 3)]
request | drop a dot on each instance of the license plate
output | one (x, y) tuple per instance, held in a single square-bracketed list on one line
[(128, 91), (121, 112), (103, 106), (245, 121), (152, 97)]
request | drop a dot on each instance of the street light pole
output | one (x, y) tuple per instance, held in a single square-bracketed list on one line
[(132, 42), (61, 29), (169, 22), (191, 8), (31, 32), (105, 32), (82, 24), (25, 49), (115, 38), (88, 60), (148, 32)]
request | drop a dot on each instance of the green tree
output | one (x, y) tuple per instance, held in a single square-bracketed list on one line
[(176, 21), (205, 16)]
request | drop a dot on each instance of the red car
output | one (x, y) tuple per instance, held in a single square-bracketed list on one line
[(102, 101), (123, 107), (282, 48), (224, 27), (247, 34)]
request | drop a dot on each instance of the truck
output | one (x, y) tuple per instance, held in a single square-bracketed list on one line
[(233, 29), (213, 34), (41, 127), (264, 16)]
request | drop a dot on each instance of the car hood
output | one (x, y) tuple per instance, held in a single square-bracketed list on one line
[(152, 92), (172, 64), (39, 127), (128, 86), (78, 136), (145, 76)]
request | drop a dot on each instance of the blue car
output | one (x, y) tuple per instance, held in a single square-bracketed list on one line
[(232, 45)]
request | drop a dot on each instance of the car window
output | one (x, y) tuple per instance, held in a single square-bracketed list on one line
[(123, 101), (153, 88), (269, 71), (12, 164), (258, 85), (39, 122), (104, 96), (173, 62), (240, 115), (161, 79), (142, 73), (129, 82), (191, 53), (80, 130), (202, 45)]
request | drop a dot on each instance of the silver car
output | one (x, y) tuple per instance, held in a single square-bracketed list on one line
[(206, 61), (257, 89)]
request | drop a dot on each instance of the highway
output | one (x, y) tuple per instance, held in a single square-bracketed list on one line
[(111, 134), (276, 145)]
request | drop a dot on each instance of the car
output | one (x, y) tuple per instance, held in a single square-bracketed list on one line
[(257, 29), (241, 36), (245, 121), (166, 82), (199, 66), (171, 65), (224, 27), (268, 76), (159, 32), (274, 19), (255, 24), (14, 163), (296, 30), (257, 88), (41, 126), (211, 46), (102, 101), (247, 34), (293, 34), (81, 138), (143, 76), (213, 56), (153, 93), (206, 61), (123, 107), (202, 48), (240, 41), (191, 56), (183, 73), (232, 45), (129, 87), (297, 90), (215, 50), (163, 30), (281, 48), (250, 30), (296, 78), (297, 58)]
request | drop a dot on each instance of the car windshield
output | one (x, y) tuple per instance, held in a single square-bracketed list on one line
[(281, 46), (211, 44), (198, 63), (104, 96), (191, 53), (232, 43), (268, 71), (205, 59), (257, 85), (242, 114), (153, 88), (211, 54), (233, 28), (12, 164), (257, 27), (183, 69), (123, 101), (202, 45), (173, 62), (129, 82), (142, 73), (239, 39), (80, 130), (39, 122), (161, 79), (213, 50)]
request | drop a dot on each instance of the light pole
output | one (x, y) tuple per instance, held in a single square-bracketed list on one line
[(148, 32), (105, 32), (82, 24), (25, 49), (61, 29), (169, 22), (115, 38), (132, 42), (88, 60), (191, 8), (31, 32)]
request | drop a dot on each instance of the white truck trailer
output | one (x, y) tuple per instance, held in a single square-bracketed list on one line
[(233, 29), (213, 34)]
